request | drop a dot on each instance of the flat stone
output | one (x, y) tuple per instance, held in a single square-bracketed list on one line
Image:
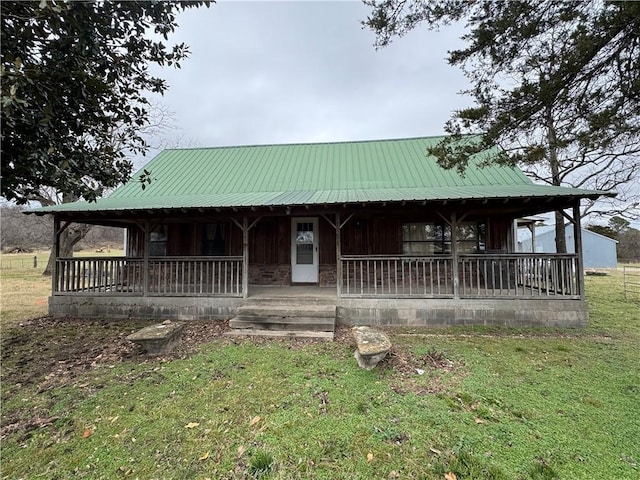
[(371, 346), (160, 338)]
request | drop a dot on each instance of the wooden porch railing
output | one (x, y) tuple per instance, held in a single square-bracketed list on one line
[(396, 276), (519, 275), (167, 276), (194, 276), (479, 276), (99, 275)]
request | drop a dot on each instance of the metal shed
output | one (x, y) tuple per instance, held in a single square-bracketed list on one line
[(598, 251)]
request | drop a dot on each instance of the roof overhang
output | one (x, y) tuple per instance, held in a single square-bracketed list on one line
[(517, 202)]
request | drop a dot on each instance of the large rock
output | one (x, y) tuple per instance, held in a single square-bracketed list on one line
[(371, 346), (160, 338)]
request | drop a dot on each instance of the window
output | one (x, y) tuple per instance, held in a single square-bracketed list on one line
[(159, 235), (425, 239), (213, 239), (435, 238), (471, 237)]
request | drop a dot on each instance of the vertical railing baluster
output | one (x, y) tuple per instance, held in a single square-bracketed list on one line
[(388, 276), (375, 277), (226, 275), (431, 276), (464, 275), (395, 275), (424, 277)]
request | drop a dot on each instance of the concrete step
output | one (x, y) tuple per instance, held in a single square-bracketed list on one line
[(291, 300), (283, 323), (284, 334), (288, 310)]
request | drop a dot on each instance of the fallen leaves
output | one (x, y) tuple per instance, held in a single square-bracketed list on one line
[(204, 456), (369, 457), (241, 450), (87, 433), (191, 425), (450, 476)]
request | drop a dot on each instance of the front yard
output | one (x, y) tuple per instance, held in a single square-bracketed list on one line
[(79, 401)]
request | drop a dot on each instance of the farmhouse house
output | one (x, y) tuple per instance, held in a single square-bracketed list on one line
[(376, 229)]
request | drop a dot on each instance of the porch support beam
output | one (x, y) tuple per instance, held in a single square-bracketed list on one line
[(338, 228), (571, 219), (146, 229), (337, 225), (245, 256), (60, 229), (345, 220), (241, 225), (55, 252), (577, 238), (454, 256)]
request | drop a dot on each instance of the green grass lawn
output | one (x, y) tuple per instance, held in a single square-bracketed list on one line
[(491, 403)]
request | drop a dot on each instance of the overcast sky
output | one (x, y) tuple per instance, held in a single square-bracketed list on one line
[(306, 71)]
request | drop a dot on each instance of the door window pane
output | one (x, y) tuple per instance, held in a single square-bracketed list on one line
[(304, 243)]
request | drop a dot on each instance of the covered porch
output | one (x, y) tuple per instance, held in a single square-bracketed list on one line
[(463, 281), (506, 276)]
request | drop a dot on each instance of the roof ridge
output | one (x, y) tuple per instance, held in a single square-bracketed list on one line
[(309, 143)]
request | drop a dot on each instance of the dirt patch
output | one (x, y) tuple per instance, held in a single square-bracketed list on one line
[(430, 373), (50, 352), (47, 353)]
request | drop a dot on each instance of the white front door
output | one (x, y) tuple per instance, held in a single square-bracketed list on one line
[(304, 250)]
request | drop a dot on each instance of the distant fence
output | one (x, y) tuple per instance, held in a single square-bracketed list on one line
[(19, 263), (631, 281)]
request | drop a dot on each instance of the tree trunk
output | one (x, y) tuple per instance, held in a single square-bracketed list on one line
[(68, 239), (561, 237), (554, 165)]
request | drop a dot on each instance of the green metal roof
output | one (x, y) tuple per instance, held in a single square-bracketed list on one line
[(307, 174)]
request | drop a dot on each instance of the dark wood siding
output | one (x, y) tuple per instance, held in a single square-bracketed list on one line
[(270, 241), (270, 238), (498, 231), (372, 236)]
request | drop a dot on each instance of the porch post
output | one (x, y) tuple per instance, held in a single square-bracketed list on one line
[(338, 256), (245, 257), (145, 261), (577, 238), (532, 229), (454, 256), (55, 252)]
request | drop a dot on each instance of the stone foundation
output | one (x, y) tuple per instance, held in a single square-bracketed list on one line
[(445, 312), (158, 308), (350, 311)]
